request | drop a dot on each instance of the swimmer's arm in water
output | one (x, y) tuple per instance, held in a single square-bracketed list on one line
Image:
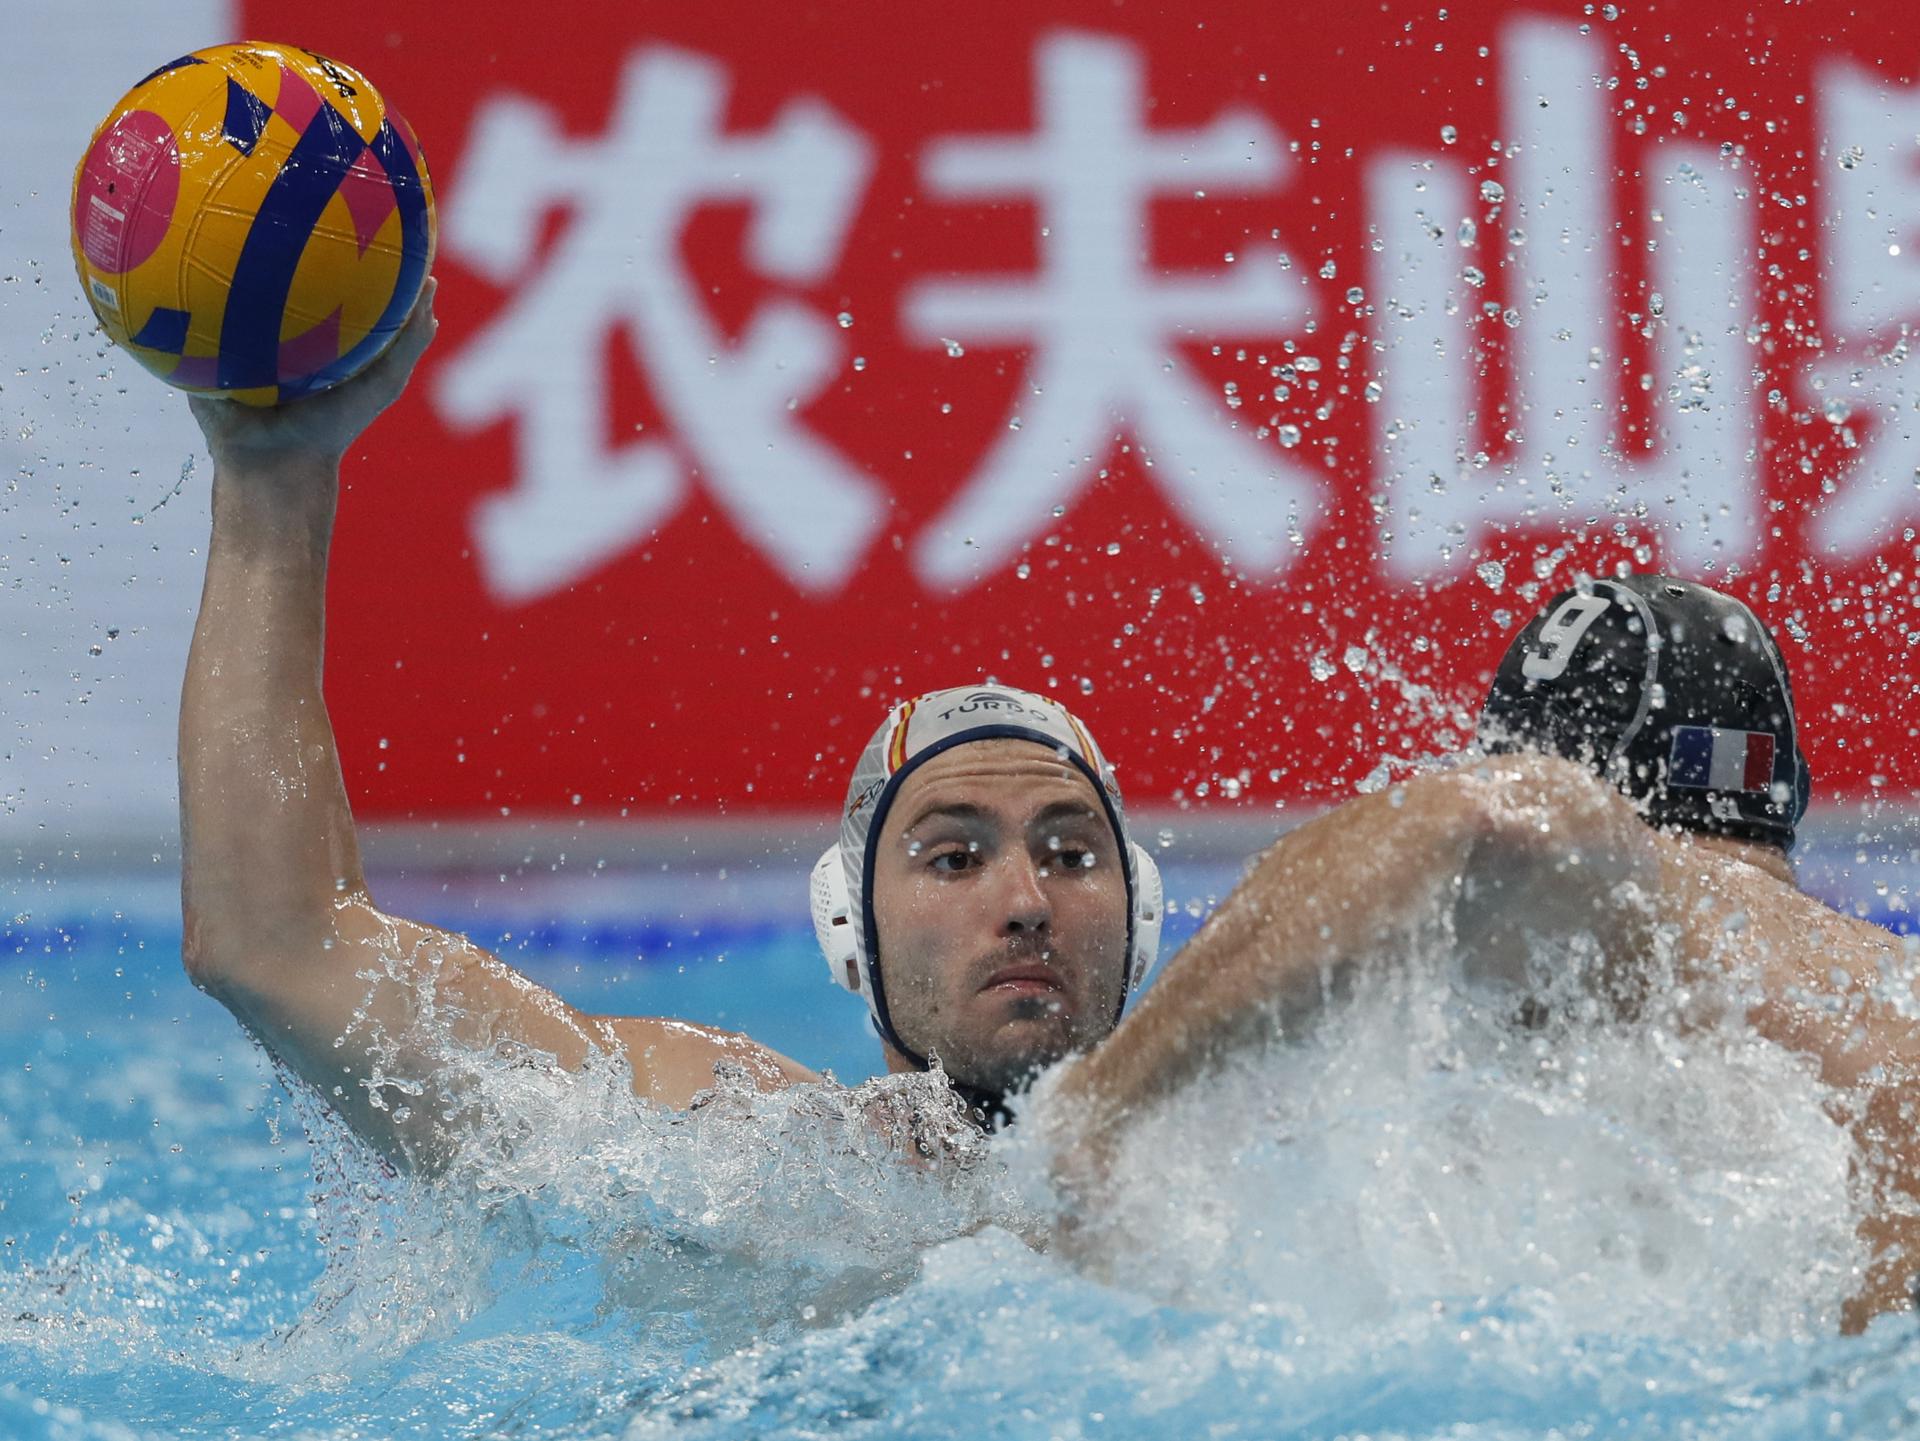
[(1473, 848), (278, 920), (1511, 851)]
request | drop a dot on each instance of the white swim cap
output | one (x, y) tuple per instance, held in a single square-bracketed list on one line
[(916, 732)]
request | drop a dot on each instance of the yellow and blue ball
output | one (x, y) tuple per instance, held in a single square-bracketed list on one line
[(253, 221)]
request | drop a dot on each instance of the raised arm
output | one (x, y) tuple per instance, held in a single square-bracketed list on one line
[(279, 924)]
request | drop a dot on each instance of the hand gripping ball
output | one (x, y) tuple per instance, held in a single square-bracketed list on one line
[(252, 221)]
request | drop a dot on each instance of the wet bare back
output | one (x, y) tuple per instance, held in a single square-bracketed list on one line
[(1839, 990)]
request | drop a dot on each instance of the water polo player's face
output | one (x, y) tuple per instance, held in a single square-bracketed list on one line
[(1001, 908)]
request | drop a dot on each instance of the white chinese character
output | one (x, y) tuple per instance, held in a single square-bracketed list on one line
[(1543, 212), (1869, 181), (1103, 324), (579, 500)]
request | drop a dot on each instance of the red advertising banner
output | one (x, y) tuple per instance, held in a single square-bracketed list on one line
[(1246, 375)]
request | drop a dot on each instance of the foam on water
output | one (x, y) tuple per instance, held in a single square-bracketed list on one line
[(747, 1211), (1419, 1151), (1420, 1219)]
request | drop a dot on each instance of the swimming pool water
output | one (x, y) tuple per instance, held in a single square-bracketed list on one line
[(1418, 1227)]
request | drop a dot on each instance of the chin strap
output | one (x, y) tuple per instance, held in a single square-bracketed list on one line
[(986, 1109)]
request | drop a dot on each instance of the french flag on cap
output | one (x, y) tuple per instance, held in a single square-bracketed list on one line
[(1708, 758)]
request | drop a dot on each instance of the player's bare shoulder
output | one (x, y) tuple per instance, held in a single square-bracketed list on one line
[(673, 1061), (1743, 908)]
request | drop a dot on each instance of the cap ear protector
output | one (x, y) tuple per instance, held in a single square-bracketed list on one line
[(834, 924), (838, 928)]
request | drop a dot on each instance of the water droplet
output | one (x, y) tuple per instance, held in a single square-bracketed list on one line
[(1289, 436), (954, 348), (1851, 157), (1448, 135), (1492, 572), (846, 320), (1492, 191)]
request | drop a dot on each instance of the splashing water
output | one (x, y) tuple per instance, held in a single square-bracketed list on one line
[(1426, 1152), (1421, 1219)]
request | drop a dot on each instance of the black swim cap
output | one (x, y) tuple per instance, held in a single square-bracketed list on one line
[(1675, 693)]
